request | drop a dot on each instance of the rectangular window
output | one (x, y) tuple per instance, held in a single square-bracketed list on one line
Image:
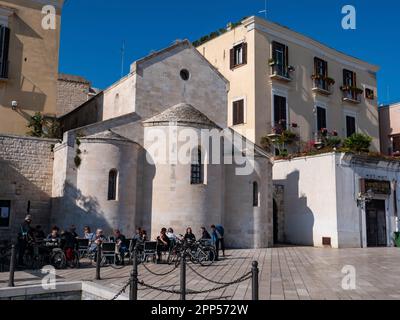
[(5, 211), (350, 85), (238, 55), (349, 78), (321, 119), (369, 94), (350, 126), (280, 112), (321, 73), (280, 57), (196, 170), (238, 112), (4, 47)]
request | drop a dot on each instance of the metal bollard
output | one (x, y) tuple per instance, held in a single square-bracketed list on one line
[(134, 279), (98, 262), (183, 277), (12, 267), (254, 277)]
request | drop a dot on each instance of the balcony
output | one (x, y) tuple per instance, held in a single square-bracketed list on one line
[(280, 72), (352, 94), (323, 85)]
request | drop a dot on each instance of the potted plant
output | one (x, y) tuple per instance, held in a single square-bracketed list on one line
[(330, 81)]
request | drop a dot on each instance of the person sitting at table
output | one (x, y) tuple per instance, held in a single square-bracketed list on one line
[(98, 240), (163, 243), (121, 247), (54, 236)]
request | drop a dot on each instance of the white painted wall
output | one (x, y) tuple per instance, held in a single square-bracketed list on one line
[(310, 199), (321, 198)]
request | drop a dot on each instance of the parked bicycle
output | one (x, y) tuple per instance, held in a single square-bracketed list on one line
[(38, 254), (198, 252)]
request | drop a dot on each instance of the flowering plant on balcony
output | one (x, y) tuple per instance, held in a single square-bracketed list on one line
[(281, 139), (329, 81), (352, 89)]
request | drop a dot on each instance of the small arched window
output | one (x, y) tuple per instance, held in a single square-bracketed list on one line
[(256, 197), (116, 103), (112, 184), (197, 172)]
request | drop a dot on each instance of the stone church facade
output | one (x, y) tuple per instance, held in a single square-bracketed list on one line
[(105, 174)]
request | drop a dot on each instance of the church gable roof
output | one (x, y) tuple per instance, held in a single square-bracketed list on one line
[(182, 113), (106, 135), (185, 44)]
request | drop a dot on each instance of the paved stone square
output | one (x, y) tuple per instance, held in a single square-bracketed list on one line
[(286, 273)]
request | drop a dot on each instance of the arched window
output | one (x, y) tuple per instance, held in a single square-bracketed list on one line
[(112, 184), (116, 103), (197, 174), (256, 199)]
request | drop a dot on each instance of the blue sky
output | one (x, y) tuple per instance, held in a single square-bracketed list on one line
[(93, 31)]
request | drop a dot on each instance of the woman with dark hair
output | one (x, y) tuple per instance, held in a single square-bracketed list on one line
[(204, 234), (189, 236)]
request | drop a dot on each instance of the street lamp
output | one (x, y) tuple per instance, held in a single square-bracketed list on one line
[(364, 198)]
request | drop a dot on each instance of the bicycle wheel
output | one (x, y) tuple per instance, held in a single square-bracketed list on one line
[(208, 256)]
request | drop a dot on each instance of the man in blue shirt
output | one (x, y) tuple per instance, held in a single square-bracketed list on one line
[(217, 235)]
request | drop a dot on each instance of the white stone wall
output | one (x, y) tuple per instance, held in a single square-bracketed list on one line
[(178, 204), (26, 175), (310, 199), (352, 227), (119, 99), (159, 85), (83, 199), (321, 198), (248, 226)]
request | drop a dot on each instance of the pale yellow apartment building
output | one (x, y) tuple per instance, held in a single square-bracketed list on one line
[(28, 62), (280, 78)]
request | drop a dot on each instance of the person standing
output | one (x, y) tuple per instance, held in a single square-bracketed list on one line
[(217, 236), (25, 237), (221, 231)]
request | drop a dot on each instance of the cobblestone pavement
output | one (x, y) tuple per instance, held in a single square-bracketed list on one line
[(286, 273)]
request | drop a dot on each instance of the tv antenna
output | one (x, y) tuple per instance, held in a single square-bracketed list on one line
[(265, 10)]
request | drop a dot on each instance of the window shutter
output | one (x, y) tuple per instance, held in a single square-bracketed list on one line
[(241, 111), (326, 68), (287, 56), (245, 53), (232, 58), (4, 47), (315, 65), (274, 50)]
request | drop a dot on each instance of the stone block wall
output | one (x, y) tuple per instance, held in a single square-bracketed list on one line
[(26, 170), (72, 91)]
